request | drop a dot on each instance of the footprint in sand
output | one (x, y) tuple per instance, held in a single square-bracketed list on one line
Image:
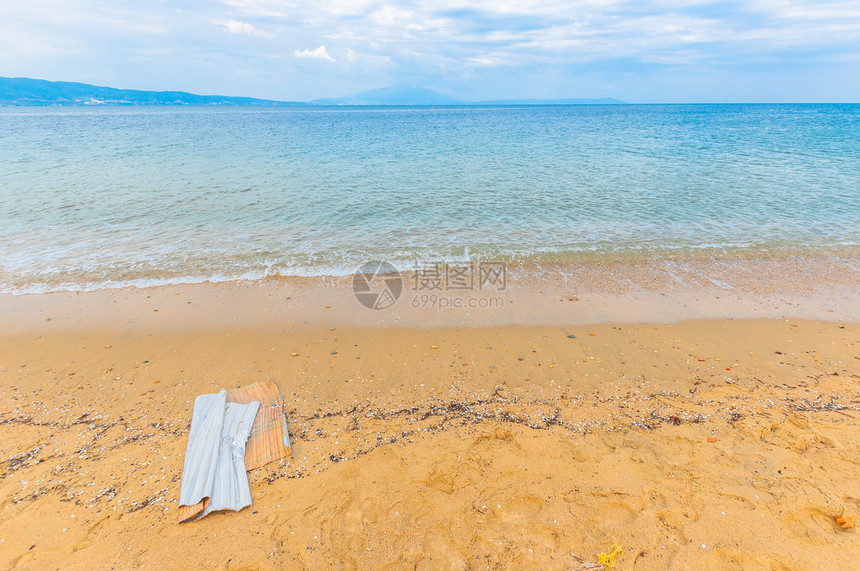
[(87, 540), (526, 508), (485, 448), (811, 522), (571, 451), (615, 514), (441, 482), (737, 500), (500, 437), (439, 552)]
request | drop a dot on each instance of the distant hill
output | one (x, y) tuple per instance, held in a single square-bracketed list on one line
[(395, 95), (601, 101), (400, 95), (25, 91)]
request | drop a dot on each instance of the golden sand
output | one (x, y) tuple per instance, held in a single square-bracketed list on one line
[(701, 444)]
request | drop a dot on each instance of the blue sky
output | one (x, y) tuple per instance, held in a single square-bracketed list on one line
[(659, 51)]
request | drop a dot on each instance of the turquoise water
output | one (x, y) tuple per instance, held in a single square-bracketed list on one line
[(103, 197)]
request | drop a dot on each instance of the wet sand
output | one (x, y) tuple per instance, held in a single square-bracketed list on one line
[(726, 436)]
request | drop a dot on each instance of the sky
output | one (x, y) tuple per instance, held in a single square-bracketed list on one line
[(637, 51)]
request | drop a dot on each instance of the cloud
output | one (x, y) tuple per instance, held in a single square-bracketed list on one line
[(502, 44), (319, 53), (258, 8), (237, 27)]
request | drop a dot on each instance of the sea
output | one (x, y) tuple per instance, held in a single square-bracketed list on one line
[(105, 197)]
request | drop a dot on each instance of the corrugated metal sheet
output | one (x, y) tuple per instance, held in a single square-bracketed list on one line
[(214, 476), (269, 439), (206, 457)]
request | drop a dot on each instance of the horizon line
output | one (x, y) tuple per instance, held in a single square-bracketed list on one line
[(324, 101)]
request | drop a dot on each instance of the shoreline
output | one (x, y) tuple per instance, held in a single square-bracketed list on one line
[(651, 268), (622, 292)]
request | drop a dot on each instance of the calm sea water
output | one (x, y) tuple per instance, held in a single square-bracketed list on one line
[(102, 197)]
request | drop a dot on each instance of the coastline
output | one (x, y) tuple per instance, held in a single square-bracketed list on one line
[(688, 424), (585, 292), (715, 266)]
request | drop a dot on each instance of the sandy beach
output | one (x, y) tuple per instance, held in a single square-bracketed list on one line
[(715, 429)]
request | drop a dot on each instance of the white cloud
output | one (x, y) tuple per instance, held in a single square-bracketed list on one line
[(319, 53), (237, 27), (492, 60), (428, 42), (258, 8)]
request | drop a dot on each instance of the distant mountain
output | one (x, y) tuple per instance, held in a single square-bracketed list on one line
[(395, 95), (25, 91), (601, 101), (400, 95)]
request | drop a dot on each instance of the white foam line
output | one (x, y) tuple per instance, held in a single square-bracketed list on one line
[(719, 283)]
